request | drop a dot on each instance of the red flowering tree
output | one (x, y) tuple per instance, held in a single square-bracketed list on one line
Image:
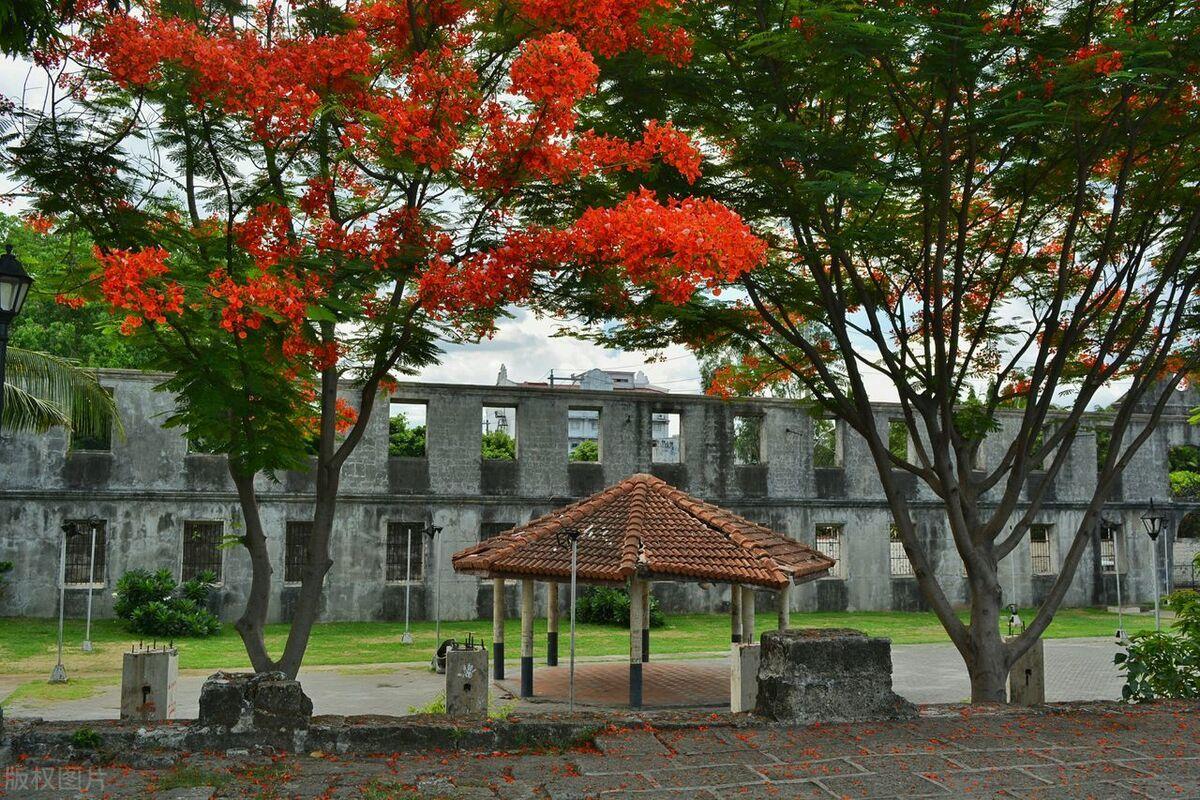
[(294, 203), (984, 205)]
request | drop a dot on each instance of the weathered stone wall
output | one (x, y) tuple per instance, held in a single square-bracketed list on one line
[(149, 485)]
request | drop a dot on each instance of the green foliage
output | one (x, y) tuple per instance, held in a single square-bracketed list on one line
[(1185, 484), (747, 439), (609, 605), (586, 450), (498, 445), (86, 738), (1184, 457), (405, 441), (1165, 664), (824, 443), (85, 335), (153, 604), (898, 439)]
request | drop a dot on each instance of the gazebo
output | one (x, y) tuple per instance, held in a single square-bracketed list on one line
[(631, 534)]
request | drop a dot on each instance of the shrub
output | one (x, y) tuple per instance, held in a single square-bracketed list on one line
[(153, 604), (86, 738), (499, 446), (587, 450), (1165, 664), (605, 605), (1185, 484)]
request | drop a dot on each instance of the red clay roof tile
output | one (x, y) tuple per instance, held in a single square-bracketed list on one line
[(647, 527)]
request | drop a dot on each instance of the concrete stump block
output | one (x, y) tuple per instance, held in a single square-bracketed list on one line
[(148, 681), (1027, 678), (254, 701), (743, 677), (827, 675), (466, 682)]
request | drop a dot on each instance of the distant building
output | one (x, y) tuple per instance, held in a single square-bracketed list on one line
[(583, 425)]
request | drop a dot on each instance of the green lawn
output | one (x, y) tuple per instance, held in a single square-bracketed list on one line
[(27, 646)]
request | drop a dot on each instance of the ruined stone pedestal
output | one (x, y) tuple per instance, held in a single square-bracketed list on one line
[(1027, 678), (827, 675), (148, 680), (743, 677), (466, 682), (242, 701)]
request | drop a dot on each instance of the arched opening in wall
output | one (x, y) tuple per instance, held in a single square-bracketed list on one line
[(1185, 546)]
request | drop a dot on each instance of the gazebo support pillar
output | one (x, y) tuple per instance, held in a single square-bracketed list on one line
[(552, 624), (785, 607), (498, 628), (748, 614), (735, 613), (527, 637), (635, 643), (645, 621)]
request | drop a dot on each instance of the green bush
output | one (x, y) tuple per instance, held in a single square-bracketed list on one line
[(1165, 664), (405, 441), (1185, 483), (153, 604), (605, 605), (499, 446), (86, 738), (587, 450)]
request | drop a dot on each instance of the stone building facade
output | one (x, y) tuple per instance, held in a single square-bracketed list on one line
[(162, 506)]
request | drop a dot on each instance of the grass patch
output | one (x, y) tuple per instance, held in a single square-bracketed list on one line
[(182, 776), (42, 693), (27, 646)]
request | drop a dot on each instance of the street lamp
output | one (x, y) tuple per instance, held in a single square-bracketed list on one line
[(435, 548), (14, 288), (1153, 521), (1114, 529), (561, 538), (94, 524)]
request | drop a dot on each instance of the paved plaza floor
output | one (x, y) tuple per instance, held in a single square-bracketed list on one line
[(1108, 753), (1076, 669)]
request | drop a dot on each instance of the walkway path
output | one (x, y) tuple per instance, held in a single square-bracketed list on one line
[(1077, 669), (1110, 754)]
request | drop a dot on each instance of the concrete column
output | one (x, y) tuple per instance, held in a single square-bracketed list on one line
[(552, 624), (645, 621), (785, 607), (635, 643), (748, 614), (527, 637), (735, 613), (498, 628)]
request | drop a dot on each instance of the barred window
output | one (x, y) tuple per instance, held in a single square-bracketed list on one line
[(399, 565), (1108, 549), (1040, 555), (489, 529), (295, 545), (829, 542), (900, 563), (78, 568), (202, 548)]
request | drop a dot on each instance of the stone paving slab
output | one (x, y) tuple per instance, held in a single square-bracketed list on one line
[(1009, 757)]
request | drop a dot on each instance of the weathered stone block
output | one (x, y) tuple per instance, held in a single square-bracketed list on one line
[(466, 682), (246, 700), (148, 681), (1027, 678), (831, 675)]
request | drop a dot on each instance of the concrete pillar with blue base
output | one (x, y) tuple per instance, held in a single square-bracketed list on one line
[(498, 628), (635, 643), (552, 624), (527, 588), (645, 621)]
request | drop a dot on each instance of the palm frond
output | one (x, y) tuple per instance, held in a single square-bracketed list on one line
[(43, 391)]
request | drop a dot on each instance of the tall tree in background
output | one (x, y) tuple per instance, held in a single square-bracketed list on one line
[(983, 204), (289, 198)]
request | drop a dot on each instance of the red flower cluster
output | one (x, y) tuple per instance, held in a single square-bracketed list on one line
[(130, 283), (610, 27)]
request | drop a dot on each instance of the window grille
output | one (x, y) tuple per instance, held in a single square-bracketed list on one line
[(1039, 550), (295, 547), (829, 542), (79, 553), (202, 548), (401, 535), (900, 563)]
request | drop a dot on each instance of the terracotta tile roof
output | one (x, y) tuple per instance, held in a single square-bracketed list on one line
[(647, 527)]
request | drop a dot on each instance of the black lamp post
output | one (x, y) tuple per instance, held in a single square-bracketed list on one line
[(14, 288), (1153, 521)]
